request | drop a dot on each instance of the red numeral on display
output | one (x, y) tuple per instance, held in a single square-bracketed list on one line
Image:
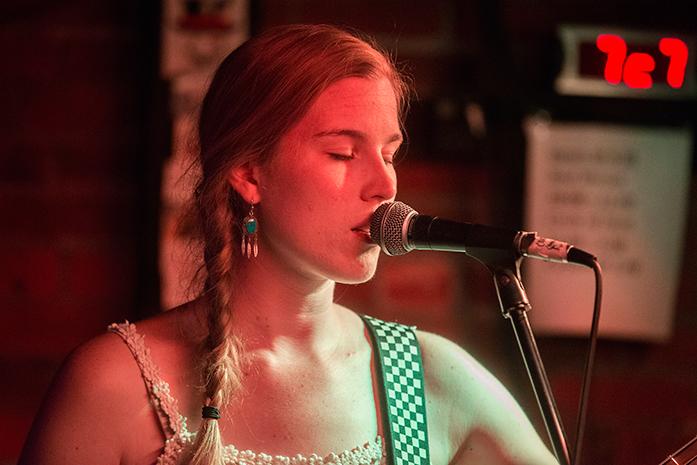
[(676, 49)]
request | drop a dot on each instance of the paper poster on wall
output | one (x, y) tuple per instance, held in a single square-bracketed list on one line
[(621, 193), (197, 34)]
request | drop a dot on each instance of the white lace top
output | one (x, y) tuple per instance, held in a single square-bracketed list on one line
[(178, 437)]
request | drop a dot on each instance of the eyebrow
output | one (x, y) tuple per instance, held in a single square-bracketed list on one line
[(396, 137)]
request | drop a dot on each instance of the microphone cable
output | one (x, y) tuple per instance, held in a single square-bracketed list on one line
[(590, 357)]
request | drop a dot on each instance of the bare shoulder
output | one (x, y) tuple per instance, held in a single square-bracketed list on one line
[(447, 366), (97, 361), (456, 377), (106, 364), (98, 380), (96, 401), (485, 423)]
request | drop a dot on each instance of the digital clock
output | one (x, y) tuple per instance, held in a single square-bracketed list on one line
[(624, 63)]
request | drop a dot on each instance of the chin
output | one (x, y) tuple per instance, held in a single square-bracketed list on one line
[(355, 280), (363, 272)]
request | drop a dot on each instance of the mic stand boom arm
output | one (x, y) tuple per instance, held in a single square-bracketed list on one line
[(515, 305)]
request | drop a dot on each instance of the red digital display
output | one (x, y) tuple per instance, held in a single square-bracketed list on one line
[(615, 62), (638, 66)]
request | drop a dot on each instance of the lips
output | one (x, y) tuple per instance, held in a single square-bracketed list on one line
[(364, 233), (363, 228)]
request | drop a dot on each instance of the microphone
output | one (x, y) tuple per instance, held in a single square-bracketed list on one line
[(398, 229)]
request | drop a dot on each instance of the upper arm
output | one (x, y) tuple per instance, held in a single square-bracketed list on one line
[(486, 424), (82, 417)]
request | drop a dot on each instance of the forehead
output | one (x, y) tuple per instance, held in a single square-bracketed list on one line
[(363, 104)]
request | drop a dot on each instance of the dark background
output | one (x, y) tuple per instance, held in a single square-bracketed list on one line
[(84, 128)]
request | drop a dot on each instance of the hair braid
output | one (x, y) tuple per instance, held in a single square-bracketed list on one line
[(222, 364)]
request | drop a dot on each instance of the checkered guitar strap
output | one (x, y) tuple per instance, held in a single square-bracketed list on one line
[(398, 361)]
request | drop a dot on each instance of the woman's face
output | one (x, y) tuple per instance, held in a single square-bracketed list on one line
[(331, 171)]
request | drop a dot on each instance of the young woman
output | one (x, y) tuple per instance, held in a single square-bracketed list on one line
[(297, 138)]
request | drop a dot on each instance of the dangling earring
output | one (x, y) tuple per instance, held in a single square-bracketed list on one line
[(250, 227)]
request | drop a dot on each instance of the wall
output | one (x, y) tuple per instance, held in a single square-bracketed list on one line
[(74, 171)]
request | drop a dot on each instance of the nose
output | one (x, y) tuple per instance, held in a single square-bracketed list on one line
[(380, 180)]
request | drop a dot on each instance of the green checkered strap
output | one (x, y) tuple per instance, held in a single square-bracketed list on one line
[(398, 361)]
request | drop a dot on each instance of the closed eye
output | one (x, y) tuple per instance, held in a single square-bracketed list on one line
[(398, 155), (341, 156)]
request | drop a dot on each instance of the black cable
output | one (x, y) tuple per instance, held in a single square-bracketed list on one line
[(593, 338)]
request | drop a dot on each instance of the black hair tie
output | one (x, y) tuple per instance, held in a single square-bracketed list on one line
[(210, 412)]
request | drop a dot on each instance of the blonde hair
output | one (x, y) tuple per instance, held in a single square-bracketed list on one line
[(258, 92)]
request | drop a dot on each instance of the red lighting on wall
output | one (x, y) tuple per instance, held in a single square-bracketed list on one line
[(636, 69)]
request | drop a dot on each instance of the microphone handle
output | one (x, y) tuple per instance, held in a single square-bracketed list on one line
[(433, 233)]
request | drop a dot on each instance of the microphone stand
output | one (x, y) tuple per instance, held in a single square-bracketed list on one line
[(514, 306)]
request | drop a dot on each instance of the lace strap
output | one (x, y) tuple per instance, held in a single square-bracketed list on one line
[(158, 390), (398, 360)]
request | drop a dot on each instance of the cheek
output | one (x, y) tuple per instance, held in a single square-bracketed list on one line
[(296, 204), (302, 195), (310, 187)]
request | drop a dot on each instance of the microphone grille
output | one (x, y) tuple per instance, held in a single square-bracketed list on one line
[(387, 227)]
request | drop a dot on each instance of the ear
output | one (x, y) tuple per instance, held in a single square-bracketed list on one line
[(245, 180)]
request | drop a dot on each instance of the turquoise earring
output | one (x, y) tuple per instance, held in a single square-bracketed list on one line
[(250, 227)]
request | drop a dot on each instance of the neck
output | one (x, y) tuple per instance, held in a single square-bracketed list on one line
[(279, 313)]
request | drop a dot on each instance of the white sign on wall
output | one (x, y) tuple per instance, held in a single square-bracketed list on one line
[(620, 193)]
